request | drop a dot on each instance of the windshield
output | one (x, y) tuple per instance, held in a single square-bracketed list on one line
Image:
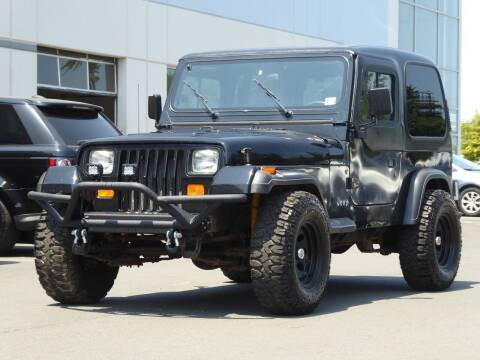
[(73, 125), (465, 164), (245, 85)]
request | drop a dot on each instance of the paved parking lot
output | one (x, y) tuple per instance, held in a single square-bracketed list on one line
[(173, 310)]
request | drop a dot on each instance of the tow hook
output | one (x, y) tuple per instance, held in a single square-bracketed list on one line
[(80, 241), (174, 242)]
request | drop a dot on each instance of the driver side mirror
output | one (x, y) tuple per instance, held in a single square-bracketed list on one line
[(379, 102), (155, 107)]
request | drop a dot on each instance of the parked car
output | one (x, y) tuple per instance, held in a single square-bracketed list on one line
[(467, 174), (36, 134), (265, 162)]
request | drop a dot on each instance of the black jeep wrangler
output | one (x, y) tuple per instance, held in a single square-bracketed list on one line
[(37, 133), (264, 163)]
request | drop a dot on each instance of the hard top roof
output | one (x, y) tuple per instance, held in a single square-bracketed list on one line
[(384, 52)]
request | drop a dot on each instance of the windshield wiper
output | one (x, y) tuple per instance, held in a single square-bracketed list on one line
[(202, 98), (269, 93)]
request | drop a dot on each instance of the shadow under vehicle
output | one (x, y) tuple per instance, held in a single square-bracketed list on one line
[(36, 134), (264, 163)]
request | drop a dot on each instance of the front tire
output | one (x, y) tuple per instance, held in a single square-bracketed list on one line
[(469, 202), (430, 251), (8, 233), (290, 253), (69, 278)]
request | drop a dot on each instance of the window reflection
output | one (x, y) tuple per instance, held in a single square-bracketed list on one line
[(101, 77), (425, 106), (73, 73), (47, 70)]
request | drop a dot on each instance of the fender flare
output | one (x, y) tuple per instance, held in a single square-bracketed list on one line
[(416, 192)]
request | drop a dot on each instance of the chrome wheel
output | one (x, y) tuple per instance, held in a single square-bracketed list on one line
[(470, 202)]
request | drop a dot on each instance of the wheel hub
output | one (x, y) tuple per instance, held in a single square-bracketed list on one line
[(301, 253), (471, 202), (438, 240)]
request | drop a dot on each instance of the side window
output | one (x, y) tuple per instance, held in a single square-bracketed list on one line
[(425, 102), (12, 130), (375, 80)]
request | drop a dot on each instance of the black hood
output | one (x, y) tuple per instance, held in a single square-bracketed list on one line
[(275, 147)]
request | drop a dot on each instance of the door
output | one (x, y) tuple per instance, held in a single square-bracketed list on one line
[(375, 152)]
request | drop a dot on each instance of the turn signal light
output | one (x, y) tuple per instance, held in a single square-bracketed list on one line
[(269, 170), (105, 194), (195, 189)]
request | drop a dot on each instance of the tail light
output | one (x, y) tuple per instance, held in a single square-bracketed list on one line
[(59, 162)]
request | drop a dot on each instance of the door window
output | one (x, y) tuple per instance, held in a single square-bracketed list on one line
[(376, 80), (12, 130), (426, 115)]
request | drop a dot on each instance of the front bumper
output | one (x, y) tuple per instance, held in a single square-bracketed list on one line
[(172, 217)]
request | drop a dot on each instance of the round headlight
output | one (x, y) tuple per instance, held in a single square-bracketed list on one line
[(205, 161), (104, 158)]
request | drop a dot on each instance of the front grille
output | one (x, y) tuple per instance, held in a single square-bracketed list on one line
[(161, 169)]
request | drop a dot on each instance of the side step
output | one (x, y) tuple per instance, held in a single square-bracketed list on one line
[(342, 225)]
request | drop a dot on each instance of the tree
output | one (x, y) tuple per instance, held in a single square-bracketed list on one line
[(471, 139)]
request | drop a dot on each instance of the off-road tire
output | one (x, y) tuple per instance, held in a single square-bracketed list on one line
[(238, 275), (423, 265), (8, 233), (473, 191), (273, 257), (69, 278)]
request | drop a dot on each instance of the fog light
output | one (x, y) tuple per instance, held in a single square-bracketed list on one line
[(105, 193), (195, 189), (128, 170), (95, 170)]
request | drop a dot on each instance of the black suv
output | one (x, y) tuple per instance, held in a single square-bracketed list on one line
[(264, 163), (36, 134)]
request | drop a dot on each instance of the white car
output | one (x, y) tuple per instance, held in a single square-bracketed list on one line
[(467, 174)]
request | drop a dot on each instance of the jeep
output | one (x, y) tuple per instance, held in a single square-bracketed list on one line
[(265, 163), (37, 133)]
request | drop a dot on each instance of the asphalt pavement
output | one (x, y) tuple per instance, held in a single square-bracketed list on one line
[(172, 310)]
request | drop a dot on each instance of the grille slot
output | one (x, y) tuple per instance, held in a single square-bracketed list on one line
[(162, 170)]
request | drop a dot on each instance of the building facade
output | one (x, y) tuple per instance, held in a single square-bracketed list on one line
[(117, 52)]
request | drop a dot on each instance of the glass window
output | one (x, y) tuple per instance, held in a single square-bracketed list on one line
[(170, 73), (13, 132), (405, 40), (73, 125), (432, 4), (425, 103), (101, 77), (375, 80), (47, 70), (297, 83), (450, 84), (449, 7), (73, 73), (425, 33), (453, 122), (448, 42)]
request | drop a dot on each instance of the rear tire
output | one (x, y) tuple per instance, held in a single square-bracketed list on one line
[(290, 253), (68, 278), (469, 202), (238, 275), (430, 251), (8, 233)]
